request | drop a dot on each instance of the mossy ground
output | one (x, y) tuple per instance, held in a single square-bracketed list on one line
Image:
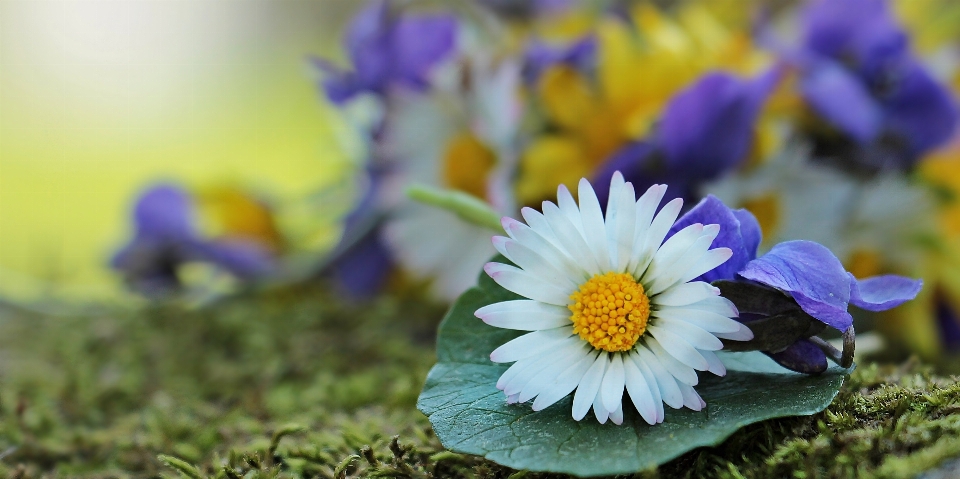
[(302, 384)]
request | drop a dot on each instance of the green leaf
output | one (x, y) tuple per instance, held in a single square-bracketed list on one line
[(471, 416)]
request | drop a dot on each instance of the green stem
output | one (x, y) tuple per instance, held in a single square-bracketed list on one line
[(467, 207)]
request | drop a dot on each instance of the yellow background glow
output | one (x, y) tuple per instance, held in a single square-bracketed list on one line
[(100, 98)]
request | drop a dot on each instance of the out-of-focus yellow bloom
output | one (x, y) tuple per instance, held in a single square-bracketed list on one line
[(232, 212), (640, 67)]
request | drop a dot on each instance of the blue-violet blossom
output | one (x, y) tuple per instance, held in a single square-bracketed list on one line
[(805, 271), (388, 49), (706, 130), (857, 72)]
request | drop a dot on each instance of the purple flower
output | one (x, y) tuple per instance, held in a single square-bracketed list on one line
[(388, 49), (361, 262), (858, 73), (580, 55), (816, 279), (165, 238), (706, 131), (807, 272)]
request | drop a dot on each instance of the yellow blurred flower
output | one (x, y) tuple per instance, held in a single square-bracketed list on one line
[(641, 65)]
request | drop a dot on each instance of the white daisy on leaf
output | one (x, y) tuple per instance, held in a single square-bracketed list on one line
[(611, 306)]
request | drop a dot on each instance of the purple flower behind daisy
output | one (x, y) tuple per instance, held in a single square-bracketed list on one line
[(388, 49), (706, 130), (581, 55), (859, 75)]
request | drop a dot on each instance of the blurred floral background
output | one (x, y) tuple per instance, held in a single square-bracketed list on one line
[(100, 99), (194, 154)]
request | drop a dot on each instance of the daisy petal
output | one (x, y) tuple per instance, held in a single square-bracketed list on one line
[(564, 359), (566, 382), (708, 262), (616, 416), (611, 390), (568, 235), (716, 304), (669, 390), (693, 335), (684, 294), (671, 274), (568, 206), (534, 369), (499, 244), (655, 235), (624, 230), (524, 315), (525, 284), (671, 251), (691, 399), (742, 334), (589, 387), (513, 370), (678, 348), (599, 410), (651, 380), (529, 344), (594, 230), (535, 264), (646, 208), (512, 399), (682, 372), (715, 365), (705, 320), (550, 252), (539, 224), (639, 391)]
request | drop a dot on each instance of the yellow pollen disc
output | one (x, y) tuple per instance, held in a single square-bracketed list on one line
[(610, 311)]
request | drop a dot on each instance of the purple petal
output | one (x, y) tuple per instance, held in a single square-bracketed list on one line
[(739, 231), (363, 268), (878, 46), (338, 84), (419, 43), (802, 356), (368, 45), (921, 110), (244, 259), (842, 99), (881, 293), (164, 211), (811, 274), (830, 25), (581, 55), (708, 127), (750, 231)]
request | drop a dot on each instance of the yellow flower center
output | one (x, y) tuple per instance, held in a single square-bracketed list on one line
[(610, 311), (467, 164)]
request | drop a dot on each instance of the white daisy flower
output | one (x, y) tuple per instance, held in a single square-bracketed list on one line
[(463, 139), (611, 306)]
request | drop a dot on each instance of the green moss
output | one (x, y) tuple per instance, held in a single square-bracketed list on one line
[(302, 384)]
